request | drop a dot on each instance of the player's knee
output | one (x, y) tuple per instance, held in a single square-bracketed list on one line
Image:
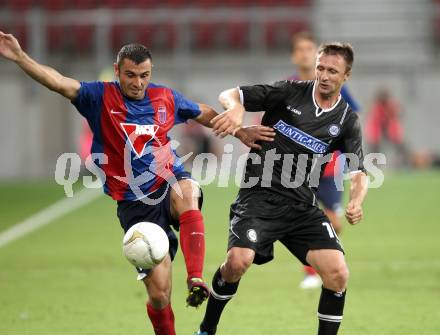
[(236, 265), (337, 278), (159, 298), (185, 197)]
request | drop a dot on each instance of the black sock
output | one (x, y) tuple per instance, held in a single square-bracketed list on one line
[(221, 293), (330, 310)]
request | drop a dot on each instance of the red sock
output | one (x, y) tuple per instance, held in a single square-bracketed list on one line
[(309, 270), (192, 242), (162, 320)]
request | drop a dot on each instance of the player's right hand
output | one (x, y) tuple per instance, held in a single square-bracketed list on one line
[(251, 134), (229, 121), (9, 47), (353, 213)]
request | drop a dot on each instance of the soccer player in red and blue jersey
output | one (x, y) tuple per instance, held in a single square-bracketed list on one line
[(303, 56), (130, 120)]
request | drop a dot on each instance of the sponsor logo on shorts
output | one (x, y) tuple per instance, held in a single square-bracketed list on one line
[(302, 138), (252, 235), (334, 130)]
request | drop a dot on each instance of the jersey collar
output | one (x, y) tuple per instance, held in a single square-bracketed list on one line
[(319, 110)]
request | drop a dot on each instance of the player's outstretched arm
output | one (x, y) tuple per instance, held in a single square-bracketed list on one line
[(207, 113), (231, 120), (247, 135), (358, 191), (47, 76)]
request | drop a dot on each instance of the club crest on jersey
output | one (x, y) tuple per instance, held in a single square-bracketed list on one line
[(139, 135), (162, 113), (334, 130)]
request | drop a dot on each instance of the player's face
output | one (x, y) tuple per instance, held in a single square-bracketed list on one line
[(134, 78), (331, 73), (304, 54)]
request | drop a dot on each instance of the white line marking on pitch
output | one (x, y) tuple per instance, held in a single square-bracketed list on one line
[(49, 214)]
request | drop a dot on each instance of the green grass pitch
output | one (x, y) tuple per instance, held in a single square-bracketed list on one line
[(70, 277)]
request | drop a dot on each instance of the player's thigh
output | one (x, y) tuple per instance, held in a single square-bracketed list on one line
[(310, 229), (327, 261), (185, 195), (133, 212)]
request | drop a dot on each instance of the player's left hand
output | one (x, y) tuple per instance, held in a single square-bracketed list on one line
[(353, 212), (9, 47), (251, 134), (228, 122)]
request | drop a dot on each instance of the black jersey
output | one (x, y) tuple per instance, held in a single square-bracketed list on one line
[(306, 135)]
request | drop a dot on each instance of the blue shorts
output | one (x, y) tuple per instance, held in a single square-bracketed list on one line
[(329, 195), (132, 212)]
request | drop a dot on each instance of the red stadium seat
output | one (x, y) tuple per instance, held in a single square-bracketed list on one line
[(19, 5), (279, 34), (54, 5), (18, 29), (238, 3), (238, 33), (113, 3), (205, 3), (144, 3), (205, 34), (122, 34), (84, 4), (176, 3), (83, 37), (55, 37), (158, 36)]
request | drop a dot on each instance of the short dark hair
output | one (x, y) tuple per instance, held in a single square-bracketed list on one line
[(338, 48), (135, 52), (302, 35)]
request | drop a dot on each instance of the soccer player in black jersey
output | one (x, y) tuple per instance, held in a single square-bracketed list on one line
[(277, 198)]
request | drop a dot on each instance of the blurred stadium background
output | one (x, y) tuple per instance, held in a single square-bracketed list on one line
[(70, 276)]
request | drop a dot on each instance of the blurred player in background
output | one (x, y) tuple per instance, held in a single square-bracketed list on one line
[(383, 122), (311, 120), (130, 119), (303, 56)]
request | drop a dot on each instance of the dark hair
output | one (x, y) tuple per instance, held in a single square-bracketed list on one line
[(302, 35), (338, 48), (135, 52)]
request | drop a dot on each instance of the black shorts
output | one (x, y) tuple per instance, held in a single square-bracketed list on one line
[(132, 212), (258, 218)]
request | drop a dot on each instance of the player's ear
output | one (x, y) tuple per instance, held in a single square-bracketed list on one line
[(347, 75), (116, 69)]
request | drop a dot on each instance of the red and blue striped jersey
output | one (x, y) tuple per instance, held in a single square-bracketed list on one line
[(133, 135)]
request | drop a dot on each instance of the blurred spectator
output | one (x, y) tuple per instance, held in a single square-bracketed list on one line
[(425, 159), (383, 121)]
